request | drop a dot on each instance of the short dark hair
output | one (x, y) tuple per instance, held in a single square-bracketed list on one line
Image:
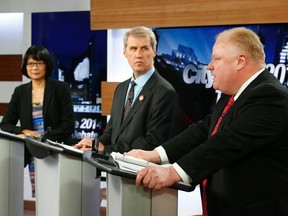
[(38, 53)]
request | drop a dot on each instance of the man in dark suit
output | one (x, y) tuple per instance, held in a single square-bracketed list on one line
[(244, 162), (150, 119)]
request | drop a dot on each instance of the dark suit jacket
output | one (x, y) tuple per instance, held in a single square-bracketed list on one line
[(57, 111), (246, 161), (150, 120)]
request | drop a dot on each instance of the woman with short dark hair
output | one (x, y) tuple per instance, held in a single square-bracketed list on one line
[(40, 105)]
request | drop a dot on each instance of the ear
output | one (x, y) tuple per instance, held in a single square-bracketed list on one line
[(241, 61), (124, 52), (155, 52)]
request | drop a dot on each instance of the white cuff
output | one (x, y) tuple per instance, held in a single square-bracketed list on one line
[(185, 178), (162, 153)]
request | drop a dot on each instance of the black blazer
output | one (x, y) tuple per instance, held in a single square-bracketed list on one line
[(246, 161), (150, 120), (57, 111)]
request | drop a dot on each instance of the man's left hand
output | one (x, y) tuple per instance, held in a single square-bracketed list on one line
[(157, 177)]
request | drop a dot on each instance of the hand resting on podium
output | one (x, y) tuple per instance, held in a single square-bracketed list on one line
[(31, 133), (151, 156), (86, 144), (130, 163), (154, 177)]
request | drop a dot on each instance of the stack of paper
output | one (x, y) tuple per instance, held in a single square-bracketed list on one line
[(129, 163)]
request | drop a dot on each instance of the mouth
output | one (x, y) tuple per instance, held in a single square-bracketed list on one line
[(35, 74)]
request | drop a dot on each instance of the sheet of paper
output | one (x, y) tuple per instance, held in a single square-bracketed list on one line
[(64, 146)]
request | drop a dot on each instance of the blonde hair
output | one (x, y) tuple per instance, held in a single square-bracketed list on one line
[(247, 41), (141, 31)]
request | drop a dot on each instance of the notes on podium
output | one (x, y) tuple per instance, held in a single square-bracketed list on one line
[(129, 163), (125, 166), (66, 148), (41, 149)]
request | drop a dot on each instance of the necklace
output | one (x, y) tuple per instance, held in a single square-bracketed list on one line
[(37, 95)]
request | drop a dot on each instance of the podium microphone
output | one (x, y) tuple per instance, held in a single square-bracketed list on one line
[(95, 145), (95, 150), (42, 138), (98, 155)]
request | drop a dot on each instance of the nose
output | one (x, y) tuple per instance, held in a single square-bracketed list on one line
[(138, 53), (210, 66)]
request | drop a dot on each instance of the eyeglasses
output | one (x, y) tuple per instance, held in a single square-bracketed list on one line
[(37, 64)]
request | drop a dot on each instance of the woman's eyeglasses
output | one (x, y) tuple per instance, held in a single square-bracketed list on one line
[(37, 64)]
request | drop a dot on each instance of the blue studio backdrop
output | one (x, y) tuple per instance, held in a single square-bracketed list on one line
[(182, 58), (80, 57)]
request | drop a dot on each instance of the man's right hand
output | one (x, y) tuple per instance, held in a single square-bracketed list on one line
[(86, 144), (151, 156)]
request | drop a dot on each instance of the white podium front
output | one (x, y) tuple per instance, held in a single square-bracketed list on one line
[(65, 184), (12, 174), (125, 199)]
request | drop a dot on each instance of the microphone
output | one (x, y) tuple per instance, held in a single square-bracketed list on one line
[(99, 156), (95, 145), (95, 150), (48, 130)]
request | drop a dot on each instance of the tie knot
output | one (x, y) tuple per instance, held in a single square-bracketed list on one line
[(132, 83)]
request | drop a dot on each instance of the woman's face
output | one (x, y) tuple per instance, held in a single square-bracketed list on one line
[(36, 70)]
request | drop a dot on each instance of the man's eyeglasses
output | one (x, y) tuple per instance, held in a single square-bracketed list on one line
[(37, 64)]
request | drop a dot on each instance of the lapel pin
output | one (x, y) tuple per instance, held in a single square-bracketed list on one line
[(141, 97)]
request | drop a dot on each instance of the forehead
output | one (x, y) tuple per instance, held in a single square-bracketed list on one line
[(222, 47), (138, 41), (30, 58), (218, 49)]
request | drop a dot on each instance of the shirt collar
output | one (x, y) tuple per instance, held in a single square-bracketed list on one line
[(140, 81), (243, 87)]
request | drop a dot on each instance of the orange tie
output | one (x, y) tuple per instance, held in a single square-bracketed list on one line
[(204, 197)]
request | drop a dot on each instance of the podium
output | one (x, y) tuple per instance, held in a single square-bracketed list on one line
[(125, 199), (65, 184), (12, 174)]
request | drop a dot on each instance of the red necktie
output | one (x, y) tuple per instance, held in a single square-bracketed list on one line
[(129, 99), (204, 197)]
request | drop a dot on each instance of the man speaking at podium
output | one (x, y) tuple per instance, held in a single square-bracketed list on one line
[(239, 155), (144, 106)]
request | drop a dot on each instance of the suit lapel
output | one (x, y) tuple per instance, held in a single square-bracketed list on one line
[(255, 82), (27, 96), (120, 102), (218, 111), (48, 92), (224, 99), (141, 98)]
